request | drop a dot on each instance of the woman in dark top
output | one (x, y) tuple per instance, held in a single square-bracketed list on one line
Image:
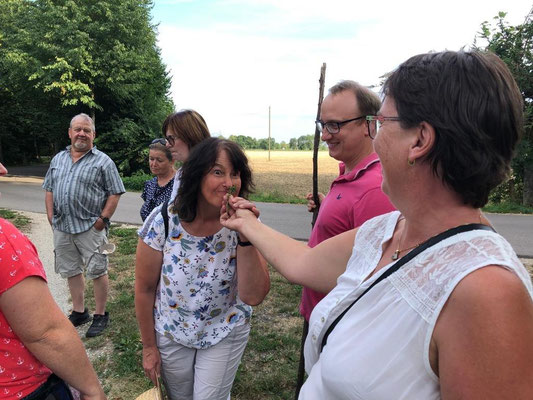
[(159, 188)]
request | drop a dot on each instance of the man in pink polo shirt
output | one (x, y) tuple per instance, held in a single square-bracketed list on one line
[(355, 195)]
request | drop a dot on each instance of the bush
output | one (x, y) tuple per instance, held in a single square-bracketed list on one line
[(508, 191), (135, 183)]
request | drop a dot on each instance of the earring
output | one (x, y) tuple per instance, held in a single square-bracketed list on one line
[(411, 163)]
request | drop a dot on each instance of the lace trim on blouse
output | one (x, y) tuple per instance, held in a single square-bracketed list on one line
[(427, 281)]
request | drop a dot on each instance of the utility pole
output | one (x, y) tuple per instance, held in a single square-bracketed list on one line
[(268, 133)]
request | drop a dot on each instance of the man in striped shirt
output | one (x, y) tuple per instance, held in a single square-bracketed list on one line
[(83, 188)]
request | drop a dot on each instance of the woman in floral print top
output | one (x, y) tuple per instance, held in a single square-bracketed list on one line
[(202, 278)]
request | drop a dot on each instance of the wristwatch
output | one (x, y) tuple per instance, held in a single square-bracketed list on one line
[(105, 220), (243, 244)]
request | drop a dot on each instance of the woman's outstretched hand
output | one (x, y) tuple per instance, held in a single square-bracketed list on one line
[(239, 210)]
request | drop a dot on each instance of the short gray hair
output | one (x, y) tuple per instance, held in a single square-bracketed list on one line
[(85, 116)]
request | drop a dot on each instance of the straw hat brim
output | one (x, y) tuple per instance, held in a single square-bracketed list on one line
[(152, 394)]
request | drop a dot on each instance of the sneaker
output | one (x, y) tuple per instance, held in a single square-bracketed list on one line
[(100, 322), (79, 318)]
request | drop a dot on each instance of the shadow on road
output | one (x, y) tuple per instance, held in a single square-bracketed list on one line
[(36, 170)]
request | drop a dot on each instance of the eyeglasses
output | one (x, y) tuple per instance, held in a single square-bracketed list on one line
[(374, 122), (159, 141), (171, 139), (78, 129), (333, 126)]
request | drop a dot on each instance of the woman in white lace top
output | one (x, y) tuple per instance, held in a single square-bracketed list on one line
[(456, 320)]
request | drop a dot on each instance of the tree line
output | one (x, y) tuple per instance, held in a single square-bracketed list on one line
[(62, 57), (304, 142)]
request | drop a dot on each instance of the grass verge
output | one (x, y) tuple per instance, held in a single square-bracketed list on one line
[(269, 365), (507, 208), (277, 197), (20, 221), (270, 362)]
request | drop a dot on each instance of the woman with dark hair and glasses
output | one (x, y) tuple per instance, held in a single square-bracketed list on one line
[(159, 188), (183, 130), (426, 302), (195, 280)]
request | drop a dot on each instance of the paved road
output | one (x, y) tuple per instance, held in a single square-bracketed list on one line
[(26, 194)]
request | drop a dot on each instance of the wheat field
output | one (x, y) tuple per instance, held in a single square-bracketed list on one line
[(290, 173)]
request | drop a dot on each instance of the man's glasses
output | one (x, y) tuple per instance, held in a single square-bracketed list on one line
[(374, 122), (333, 126), (159, 141)]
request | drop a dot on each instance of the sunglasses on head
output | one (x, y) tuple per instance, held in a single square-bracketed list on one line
[(160, 141)]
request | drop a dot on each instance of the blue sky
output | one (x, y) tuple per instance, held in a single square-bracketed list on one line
[(232, 59)]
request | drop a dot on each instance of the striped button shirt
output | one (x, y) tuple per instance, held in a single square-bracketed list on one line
[(80, 190)]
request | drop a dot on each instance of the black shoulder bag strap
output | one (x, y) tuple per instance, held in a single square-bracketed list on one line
[(164, 213), (408, 257)]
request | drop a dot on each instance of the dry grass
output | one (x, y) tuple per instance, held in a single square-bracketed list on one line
[(291, 172), (291, 162)]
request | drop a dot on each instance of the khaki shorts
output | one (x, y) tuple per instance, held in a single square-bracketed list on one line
[(75, 252)]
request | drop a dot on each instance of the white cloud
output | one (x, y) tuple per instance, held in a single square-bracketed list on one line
[(231, 72)]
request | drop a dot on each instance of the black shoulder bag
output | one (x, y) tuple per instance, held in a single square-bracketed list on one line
[(53, 389), (164, 213), (408, 257)]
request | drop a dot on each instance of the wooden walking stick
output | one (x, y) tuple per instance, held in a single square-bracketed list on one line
[(317, 143), (301, 365)]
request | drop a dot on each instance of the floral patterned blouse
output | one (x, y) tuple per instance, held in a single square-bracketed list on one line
[(197, 304), (20, 372)]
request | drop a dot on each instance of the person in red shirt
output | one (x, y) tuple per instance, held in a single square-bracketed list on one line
[(355, 195), (36, 340)]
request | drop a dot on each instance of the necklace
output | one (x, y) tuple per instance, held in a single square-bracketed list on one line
[(397, 252)]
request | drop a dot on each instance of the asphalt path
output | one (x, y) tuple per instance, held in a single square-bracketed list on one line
[(26, 194)]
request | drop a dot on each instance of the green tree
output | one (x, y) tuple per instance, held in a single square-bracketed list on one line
[(263, 144), (133, 88), (93, 56), (293, 144), (513, 44), (246, 142), (305, 142), (21, 109)]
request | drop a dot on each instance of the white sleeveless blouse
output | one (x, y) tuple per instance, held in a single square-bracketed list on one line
[(380, 348)]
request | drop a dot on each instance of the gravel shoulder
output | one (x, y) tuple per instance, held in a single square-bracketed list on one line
[(40, 234)]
